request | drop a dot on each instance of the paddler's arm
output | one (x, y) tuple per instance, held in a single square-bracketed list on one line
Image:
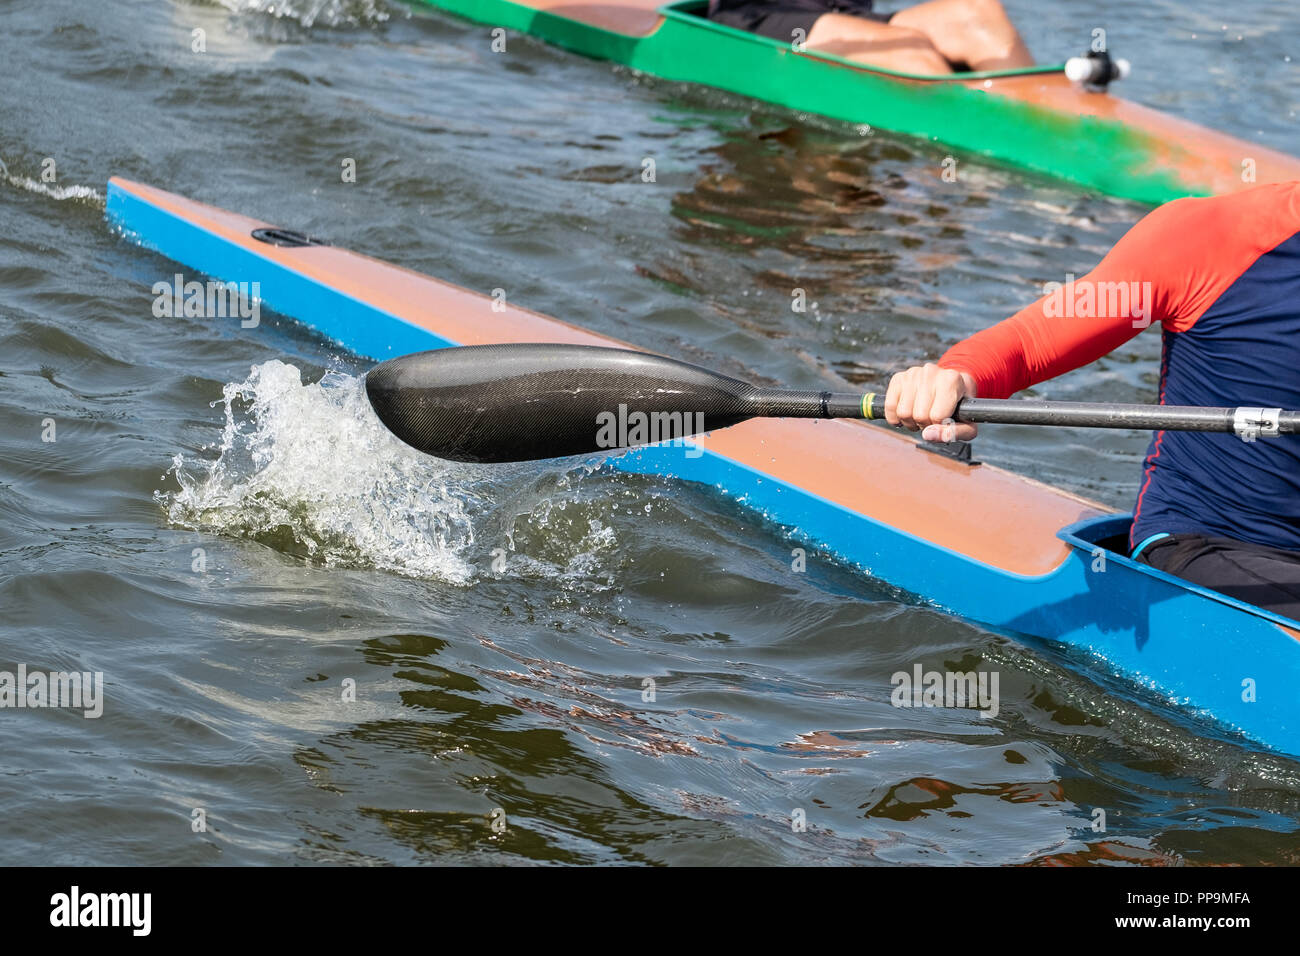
[(1039, 342)]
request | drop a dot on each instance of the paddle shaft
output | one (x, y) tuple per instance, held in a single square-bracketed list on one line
[(1245, 420), (1254, 422)]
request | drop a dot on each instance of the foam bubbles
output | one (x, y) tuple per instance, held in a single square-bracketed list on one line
[(308, 13), (54, 191), (309, 468)]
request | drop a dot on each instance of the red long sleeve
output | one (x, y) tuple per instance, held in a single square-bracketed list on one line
[(1167, 269)]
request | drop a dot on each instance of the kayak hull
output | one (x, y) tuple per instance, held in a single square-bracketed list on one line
[(1035, 120), (1029, 560)]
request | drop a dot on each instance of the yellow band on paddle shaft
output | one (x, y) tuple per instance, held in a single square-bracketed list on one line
[(869, 406)]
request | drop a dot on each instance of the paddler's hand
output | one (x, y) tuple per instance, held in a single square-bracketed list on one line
[(923, 399)]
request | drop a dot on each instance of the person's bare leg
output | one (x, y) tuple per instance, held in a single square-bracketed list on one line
[(975, 32), (878, 44)]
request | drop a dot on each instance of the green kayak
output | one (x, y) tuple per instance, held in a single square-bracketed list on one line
[(1035, 119)]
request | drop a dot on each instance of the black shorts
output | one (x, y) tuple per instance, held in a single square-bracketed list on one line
[(1254, 573), (780, 23)]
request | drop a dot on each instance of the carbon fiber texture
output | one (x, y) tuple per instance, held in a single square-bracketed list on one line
[(520, 402)]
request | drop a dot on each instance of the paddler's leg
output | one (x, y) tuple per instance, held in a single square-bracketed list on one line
[(879, 44), (977, 33), (1266, 577)]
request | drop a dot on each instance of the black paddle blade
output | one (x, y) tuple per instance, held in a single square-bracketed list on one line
[(496, 403)]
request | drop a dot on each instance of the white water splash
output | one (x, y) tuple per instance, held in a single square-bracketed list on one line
[(314, 463), (307, 13), (84, 193)]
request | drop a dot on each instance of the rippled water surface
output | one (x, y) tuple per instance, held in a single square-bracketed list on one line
[(223, 529)]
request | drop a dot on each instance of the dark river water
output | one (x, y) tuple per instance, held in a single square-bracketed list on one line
[(191, 534)]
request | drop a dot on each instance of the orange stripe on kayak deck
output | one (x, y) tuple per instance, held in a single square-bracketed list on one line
[(635, 18), (989, 515), (1196, 153), (458, 314)]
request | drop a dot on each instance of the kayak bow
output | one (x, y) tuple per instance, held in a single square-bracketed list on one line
[(994, 547), (1034, 119)]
